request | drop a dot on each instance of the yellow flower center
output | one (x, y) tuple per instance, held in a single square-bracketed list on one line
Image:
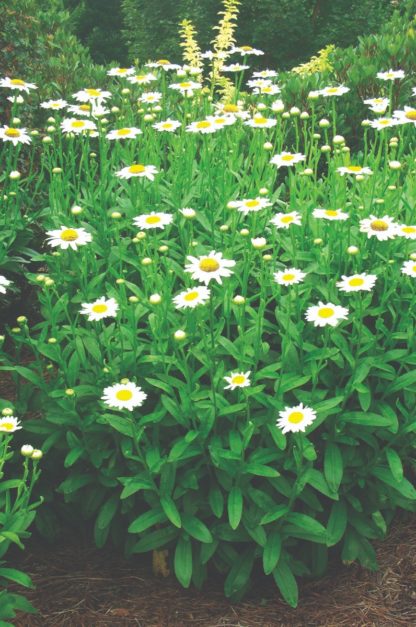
[(332, 90), (7, 426), (141, 77), (288, 157), (167, 125), (17, 81), (208, 264), (99, 308), (332, 213), (238, 379), (266, 89), (354, 168), (185, 85), (123, 131), (12, 132), (163, 62), (411, 115), (230, 108), (252, 203), (356, 282), (246, 48), (220, 120), (124, 395), (77, 124), (203, 124), (122, 70), (287, 219), (295, 417), (69, 235), (409, 229), (153, 219), (378, 101), (94, 93), (137, 168), (384, 121), (260, 120), (288, 276), (190, 296), (85, 107), (326, 312), (414, 268), (379, 225)]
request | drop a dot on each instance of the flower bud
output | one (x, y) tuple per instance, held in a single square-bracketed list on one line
[(125, 91), (324, 123), (14, 175), (155, 299), (353, 250), (286, 115), (268, 146), (146, 261), (294, 111), (267, 257), (395, 165), (46, 139), (76, 210), (69, 392), (263, 191), (120, 281), (57, 170), (224, 228), (37, 454), (258, 242), (52, 340), (338, 139), (7, 411), (27, 450), (179, 335), (239, 300), (133, 299), (244, 232), (318, 241), (116, 215)]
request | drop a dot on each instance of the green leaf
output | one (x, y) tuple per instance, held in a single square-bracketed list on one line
[(271, 552), (286, 583), (239, 574), (196, 528), (119, 423), (277, 513), (183, 561), (404, 487), (403, 382), (395, 464), (333, 466), (17, 576), (171, 511), (337, 522), (146, 520), (155, 540), (278, 437), (366, 419), (260, 470), (235, 507), (216, 501)]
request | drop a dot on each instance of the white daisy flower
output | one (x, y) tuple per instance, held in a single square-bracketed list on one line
[(233, 109), (142, 79), (209, 267), (267, 90), (3, 284), (286, 159), (295, 419), (14, 135), (325, 314), (382, 123), (54, 104), (202, 126), (188, 212), (16, 98), (89, 109), (406, 231), (333, 91), (409, 268), (121, 71), (265, 74), (238, 380), (169, 126), (124, 396), (330, 214), (234, 67), (222, 120), (150, 97), (357, 282), (192, 298), (259, 242), (246, 51), (16, 83), (354, 169), (164, 64), (378, 105), (278, 106), (249, 205), (124, 133), (382, 228), (259, 82), (289, 276), (391, 75), (91, 95), (284, 220), (220, 54), (9, 424), (72, 125), (261, 122), (137, 169), (405, 117), (68, 237), (99, 309), (153, 220), (186, 88)]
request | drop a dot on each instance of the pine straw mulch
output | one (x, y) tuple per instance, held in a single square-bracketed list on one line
[(77, 586)]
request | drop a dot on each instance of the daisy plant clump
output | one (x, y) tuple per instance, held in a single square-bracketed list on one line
[(223, 352)]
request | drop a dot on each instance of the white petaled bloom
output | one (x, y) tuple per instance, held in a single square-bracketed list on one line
[(202, 126), (18, 98), (382, 228), (289, 276), (186, 88), (330, 214), (259, 82), (250, 205), (354, 169), (121, 71), (124, 396), (409, 268), (209, 267), (265, 74), (230, 108), (234, 67), (55, 105), (9, 424), (192, 298), (267, 90), (220, 54), (164, 64), (278, 106), (391, 75), (238, 380), (246, 51), (153, 220), (286, 159), (150, 97), (68, 237), (169, 126), (260, 122), (258, 242), (124, 133), (14, 135), (406, 231), (383, 123), (138, 169), (89, 109), (325, 314), (101, 308), (16, 83), (378, 105), (188, 212), (222, 120), (357, 282), (91, 95), (405, 117), (72, 125), (339, 90), (284, 220), (3, 284), (142, 79), (295, 419)]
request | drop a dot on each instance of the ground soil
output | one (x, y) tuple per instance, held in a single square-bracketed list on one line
[(78, 586)]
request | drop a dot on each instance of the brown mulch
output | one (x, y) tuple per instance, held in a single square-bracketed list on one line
[(83, 587)]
